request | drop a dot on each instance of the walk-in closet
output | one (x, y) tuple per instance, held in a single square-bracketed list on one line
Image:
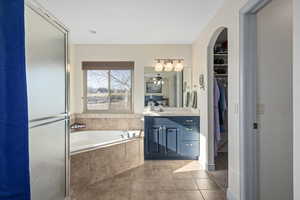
[(220, 109)]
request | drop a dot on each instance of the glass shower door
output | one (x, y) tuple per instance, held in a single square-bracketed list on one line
[(47, 159), (47, 105)]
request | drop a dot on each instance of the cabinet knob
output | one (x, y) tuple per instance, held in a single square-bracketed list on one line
[(189, 145)]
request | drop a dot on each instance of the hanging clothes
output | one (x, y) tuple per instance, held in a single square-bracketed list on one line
[(222, 106), (14, 156), (217, 131)]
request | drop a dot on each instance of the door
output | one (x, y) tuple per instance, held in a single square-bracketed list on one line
[(47, 105), (274, 98), (172, 136), (155, 139)]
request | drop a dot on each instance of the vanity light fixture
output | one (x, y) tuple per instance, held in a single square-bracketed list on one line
[(178, 66), (159, 66), (169, 65)]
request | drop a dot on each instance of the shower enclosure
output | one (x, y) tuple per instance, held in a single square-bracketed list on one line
[(47, 86)]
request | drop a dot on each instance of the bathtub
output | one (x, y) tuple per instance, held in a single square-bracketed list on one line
[(88, 140), (99, 155)]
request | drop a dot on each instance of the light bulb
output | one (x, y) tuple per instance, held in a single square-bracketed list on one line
[(159, 67), (179, 67), (168, 67)]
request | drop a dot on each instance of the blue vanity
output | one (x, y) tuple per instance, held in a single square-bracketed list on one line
[(172, 137)]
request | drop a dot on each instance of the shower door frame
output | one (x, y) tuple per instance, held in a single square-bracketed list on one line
[(45, 14)]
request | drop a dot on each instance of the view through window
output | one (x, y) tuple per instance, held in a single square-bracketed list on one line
[(109, 90)]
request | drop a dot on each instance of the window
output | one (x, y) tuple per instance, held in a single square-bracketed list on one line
[(108, 88)]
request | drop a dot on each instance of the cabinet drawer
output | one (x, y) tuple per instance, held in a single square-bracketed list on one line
[(190, 121), (190, 133), (163, 121), (190, 148)]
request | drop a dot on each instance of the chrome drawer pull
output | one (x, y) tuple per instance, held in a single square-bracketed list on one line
[(189, 120), (189, 129)]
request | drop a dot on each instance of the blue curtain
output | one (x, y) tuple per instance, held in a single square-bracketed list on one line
[(14, 158)]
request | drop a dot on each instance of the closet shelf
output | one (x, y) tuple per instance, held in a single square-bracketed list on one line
[(220, 65), (221, 75), (221, 54)]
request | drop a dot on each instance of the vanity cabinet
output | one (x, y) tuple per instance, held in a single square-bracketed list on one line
[(172, 137)]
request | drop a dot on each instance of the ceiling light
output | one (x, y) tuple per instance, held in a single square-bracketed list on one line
[(159, 66), (178, 66), (93, 31), (169, 66), (158, 80)]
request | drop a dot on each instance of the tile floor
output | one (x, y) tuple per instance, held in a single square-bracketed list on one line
[(156, 180), (220, 175)]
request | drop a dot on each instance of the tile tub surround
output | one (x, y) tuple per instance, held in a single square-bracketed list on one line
[(156, 180), (93, 166), (110, 121), (72, 118)]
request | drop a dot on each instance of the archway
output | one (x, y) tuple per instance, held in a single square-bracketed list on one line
[(217, 106)]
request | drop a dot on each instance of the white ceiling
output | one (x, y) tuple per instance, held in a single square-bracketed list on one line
[(133, 21)]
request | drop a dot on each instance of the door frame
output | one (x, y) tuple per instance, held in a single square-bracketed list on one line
[(211, 165), (247, 112)]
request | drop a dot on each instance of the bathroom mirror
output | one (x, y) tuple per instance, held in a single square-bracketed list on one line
[(168, 89)]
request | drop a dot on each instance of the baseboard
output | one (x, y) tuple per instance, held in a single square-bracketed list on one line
[(67, 198), (231, 195), (211, 167)]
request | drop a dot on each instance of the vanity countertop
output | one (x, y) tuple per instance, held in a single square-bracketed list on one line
[(172, 112), (107, 116)]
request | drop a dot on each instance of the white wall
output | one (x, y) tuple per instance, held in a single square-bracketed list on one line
[(227, 16), (142, 55), (296, 93), (274, 97)]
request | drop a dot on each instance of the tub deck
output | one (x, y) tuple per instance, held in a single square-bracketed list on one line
[(105, 161)]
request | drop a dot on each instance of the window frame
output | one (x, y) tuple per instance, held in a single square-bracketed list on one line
[(109, 111)]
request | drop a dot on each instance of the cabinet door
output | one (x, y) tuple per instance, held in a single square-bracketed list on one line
[(190, 149), (172, 141), (190, 133), (155, 141)]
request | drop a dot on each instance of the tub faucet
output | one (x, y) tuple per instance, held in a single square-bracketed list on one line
[(127, 133), (77, 126)]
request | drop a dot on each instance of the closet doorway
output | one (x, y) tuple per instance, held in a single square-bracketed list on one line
[(218, 90)]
